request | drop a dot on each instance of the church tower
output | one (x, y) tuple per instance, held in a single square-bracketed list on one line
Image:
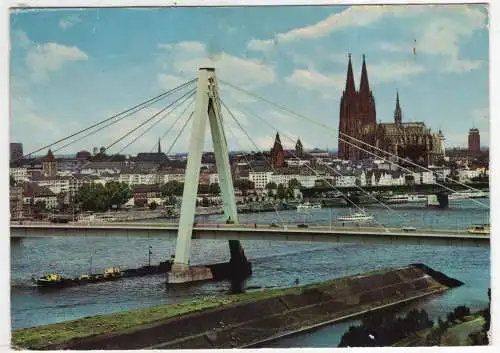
[(397, 111), (49, 165), (357, 110), (277, 153), (299, 149)]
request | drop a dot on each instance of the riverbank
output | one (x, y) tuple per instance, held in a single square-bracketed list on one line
[(238, 320), (457, 334)]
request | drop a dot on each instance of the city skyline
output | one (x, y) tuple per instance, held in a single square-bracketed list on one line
[(88, 65)]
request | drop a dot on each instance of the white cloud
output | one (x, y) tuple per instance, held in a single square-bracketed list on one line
[(185, 58), (69, 21), (442, 34), (169, 81), (389, 71), (44, 58), (20, 38), (355, 16), (328, 85), (262, 45)]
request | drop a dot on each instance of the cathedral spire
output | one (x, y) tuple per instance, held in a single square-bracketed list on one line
[(350, 87), (397, 111), (364, 85)]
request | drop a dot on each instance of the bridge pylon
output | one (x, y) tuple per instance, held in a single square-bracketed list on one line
[(207, 108)]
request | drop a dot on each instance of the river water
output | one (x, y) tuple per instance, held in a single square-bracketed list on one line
[(275, 264)]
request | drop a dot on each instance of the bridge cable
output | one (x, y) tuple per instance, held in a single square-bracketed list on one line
[(333, 169), (173, 125), (406, 169), (148, 120), (282, 221), (184, 99), (317, 174), (180, 132), (165, 94), (296, 115), (107, 125), (346, 196), (129, 113)]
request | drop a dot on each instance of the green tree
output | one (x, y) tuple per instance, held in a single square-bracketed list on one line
[(92, 197), (116, 194), (214, 189), (282, 192), (172, 187), (271, 186), (12, 181), (153, 206), (203, 189), (294, 184), (244, 184), (40, 205)]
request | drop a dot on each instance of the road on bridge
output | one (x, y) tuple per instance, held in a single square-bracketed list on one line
[(314, 233)]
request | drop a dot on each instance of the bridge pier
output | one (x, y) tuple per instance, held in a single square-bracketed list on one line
[(207, 107)]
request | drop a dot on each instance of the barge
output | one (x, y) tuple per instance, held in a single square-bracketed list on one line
[(54, 280)]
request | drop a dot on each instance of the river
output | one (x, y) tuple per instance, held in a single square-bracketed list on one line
[(275, 264)]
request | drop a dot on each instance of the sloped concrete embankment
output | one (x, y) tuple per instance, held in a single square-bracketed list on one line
[(250, 323)]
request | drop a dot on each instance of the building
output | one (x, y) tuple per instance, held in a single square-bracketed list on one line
[(151, 160), (277, 153), (16, 151), (49, 165), (299, 149), (34, 194), (357, 110), (474, 141), (19, 174), (358, 129)]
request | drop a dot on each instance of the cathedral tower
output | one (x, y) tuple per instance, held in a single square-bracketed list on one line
[(357, 110)]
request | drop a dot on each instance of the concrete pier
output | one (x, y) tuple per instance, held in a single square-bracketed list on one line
[(184, 274)]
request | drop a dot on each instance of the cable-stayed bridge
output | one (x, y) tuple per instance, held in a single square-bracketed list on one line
[(210, 107)]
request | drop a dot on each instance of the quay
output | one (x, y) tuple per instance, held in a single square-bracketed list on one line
[(313, 233)]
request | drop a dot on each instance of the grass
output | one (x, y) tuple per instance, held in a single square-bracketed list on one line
[(42, 336)]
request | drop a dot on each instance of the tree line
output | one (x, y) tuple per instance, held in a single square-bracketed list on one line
[(385, 328)]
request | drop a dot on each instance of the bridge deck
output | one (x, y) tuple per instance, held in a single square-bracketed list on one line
[(314, 233)]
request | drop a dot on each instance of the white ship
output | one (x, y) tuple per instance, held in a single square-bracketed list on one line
[(356, 217), (398, 199), (467, 194), (308, 206)]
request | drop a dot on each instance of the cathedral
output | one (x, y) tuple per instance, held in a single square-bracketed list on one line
[(358, 122)]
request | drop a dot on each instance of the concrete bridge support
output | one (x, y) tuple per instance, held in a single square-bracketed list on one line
[(207, 107)]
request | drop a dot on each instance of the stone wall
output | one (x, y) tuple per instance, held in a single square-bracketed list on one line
[(251, 323)]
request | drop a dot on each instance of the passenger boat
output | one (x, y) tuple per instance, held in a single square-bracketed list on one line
[(308, 206), (399, 199), (356, 217), (468, 194), (479, 229)]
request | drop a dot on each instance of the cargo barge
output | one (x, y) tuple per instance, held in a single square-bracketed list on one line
[(54, 280)]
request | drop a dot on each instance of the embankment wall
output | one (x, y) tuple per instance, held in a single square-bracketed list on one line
[(249, 323)]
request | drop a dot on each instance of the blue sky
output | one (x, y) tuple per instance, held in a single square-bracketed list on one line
[(71, 68)]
